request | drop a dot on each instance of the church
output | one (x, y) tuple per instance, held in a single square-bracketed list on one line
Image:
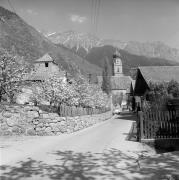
[(120, 84)]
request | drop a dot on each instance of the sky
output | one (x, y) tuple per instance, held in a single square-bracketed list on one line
[(125, 20)]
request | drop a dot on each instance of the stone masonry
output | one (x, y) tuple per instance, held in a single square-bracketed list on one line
[(30, 120)]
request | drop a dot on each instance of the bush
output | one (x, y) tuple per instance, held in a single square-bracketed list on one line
[(18, 130), (31, 132), (160, 93)]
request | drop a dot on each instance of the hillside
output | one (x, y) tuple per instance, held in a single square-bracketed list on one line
[(96, 56), (17, 35)]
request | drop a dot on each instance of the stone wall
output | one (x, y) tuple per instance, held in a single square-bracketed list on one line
[(30, 120)]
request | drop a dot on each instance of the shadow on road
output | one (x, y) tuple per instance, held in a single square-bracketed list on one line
[(127, 116), (112, 164)]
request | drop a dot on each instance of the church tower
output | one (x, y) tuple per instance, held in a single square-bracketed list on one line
[(117, 64)]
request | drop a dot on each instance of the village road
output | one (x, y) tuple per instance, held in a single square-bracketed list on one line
[(98, 152)]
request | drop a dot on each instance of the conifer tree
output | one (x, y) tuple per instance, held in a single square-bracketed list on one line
[(106, 83)]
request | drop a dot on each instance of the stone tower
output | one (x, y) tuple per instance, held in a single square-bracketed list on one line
[(117, 64)]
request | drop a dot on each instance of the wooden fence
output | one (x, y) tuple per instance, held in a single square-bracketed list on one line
[(158, 125), (64, 110)]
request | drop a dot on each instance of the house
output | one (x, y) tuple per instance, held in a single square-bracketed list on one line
[(155, 74), (44, 67)]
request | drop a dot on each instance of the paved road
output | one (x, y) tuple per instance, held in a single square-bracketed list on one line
[(99, 152)]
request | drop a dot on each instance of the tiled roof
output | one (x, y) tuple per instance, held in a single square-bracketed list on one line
[(122, 82), (45, 58), (160, 73)]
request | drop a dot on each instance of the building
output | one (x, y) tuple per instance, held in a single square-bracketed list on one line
[(117, 65), (45, 67), (154, 74), (120, 84), (46, 64)]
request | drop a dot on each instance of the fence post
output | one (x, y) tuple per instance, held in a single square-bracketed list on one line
[(141, 125), (140, 128)]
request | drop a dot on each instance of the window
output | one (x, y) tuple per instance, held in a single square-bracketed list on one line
[(46, 64)]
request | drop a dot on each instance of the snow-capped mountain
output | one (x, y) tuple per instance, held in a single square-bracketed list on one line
[(82, 43), (75, 40)]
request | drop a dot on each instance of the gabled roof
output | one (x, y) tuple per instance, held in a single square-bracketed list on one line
[(45, 58), (121, 82), (160, 73)]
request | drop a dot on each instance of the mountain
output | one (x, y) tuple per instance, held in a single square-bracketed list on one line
[(78, 42), (82, 43), (132, 56), (17, 35), (115, 43), (149, 49), (97, 55)]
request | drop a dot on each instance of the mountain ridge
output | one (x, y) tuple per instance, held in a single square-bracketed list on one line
[(82, 43)]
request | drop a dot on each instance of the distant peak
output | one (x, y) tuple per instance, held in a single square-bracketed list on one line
[(50, 34)]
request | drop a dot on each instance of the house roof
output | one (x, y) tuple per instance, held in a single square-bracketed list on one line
[(45, 58), (160, 73), (121, 82)]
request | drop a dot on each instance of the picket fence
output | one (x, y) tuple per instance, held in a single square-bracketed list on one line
[(64, 110), (158, 125)]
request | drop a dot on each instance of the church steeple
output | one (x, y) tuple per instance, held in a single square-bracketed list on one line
[(117, 64)]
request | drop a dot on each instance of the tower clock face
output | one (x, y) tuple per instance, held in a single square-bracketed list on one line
[(118, 61)]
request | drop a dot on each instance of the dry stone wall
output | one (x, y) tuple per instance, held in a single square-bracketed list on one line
[(30, 120)]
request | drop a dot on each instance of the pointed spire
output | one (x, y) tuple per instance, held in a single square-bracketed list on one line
[(117, 53)]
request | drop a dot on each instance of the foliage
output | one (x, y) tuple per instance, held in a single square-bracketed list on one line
[(106, 83), (79, 92), (173, 88), (12, 71), (161, 92), (55, 90)]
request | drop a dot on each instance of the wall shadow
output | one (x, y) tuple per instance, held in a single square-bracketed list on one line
[(112, 164), (132, 135)]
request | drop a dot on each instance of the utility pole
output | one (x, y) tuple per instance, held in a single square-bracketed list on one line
[(89, 78)]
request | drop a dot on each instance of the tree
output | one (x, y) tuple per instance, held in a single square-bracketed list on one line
[(79, 92), (12, 71), (106, 83), (55, 90), (161, 92), (173, 88)]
